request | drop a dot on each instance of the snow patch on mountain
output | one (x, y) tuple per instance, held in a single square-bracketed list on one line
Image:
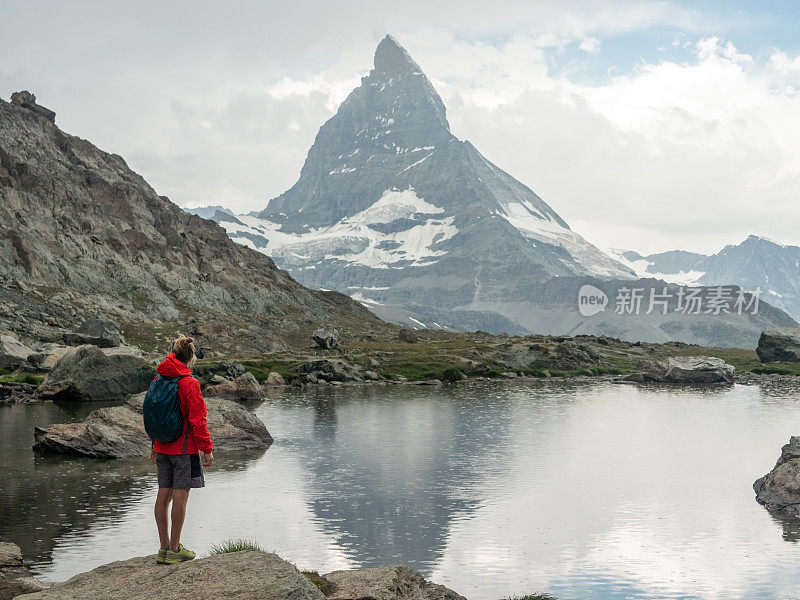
[(357, 239), (642, 267)]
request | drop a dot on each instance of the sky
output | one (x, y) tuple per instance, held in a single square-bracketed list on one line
[(647, 125)]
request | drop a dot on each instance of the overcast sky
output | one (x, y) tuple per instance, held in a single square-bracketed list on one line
[(646, 125)]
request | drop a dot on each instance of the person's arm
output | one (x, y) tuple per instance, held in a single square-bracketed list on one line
[(197, 419)]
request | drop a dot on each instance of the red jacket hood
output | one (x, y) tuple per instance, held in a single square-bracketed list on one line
[(172, 367)]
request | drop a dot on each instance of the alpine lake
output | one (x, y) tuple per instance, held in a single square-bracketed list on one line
[(583, 489)]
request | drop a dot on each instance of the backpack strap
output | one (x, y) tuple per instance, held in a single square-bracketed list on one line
[(185, 437)]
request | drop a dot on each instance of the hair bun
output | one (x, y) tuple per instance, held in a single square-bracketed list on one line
[(183, 348)]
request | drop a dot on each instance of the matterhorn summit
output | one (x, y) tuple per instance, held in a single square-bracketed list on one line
[(394, 210)]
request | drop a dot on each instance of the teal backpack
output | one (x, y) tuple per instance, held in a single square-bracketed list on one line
[(163, 420)]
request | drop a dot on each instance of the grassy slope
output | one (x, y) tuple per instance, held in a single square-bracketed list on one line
[(445, 356)]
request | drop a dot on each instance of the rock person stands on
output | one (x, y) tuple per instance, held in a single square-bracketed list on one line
[(179, 466)]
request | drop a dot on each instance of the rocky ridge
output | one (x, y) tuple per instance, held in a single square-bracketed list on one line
[(85, 237)]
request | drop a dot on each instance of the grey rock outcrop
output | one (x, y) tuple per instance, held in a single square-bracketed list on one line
[(326, 337), (118, 431), (96, 332), (13, 353), (779, 490), (275, 379), (329, 370), (17, 393), (87, 374), (779, 344), (244, 388), (253, 575), (408, 336), (27, 100), (684, 369), (15, 578), (385, 583)]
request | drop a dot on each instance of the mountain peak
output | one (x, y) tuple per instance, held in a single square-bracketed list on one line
[(392, 58)]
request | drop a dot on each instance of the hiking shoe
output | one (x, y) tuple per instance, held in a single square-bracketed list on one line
[(162, 556), (179, 555)]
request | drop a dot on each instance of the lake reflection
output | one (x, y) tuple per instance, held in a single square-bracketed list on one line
[(586, 490)]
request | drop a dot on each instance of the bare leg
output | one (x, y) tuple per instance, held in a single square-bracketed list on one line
[(179, 500), (162, 504)]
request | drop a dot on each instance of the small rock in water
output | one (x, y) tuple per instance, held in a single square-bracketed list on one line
[(386, 583), (684, 369), (15, 578), (779, 490)]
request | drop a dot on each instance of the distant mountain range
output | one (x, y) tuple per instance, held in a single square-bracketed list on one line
[(756, 263), (208, 212), (395, 211)]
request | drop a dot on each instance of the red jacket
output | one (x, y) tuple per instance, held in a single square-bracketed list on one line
[(191, 404)]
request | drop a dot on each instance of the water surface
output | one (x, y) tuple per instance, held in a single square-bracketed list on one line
[(586, 490)]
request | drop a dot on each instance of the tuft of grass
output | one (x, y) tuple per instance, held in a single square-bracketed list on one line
[(238, 545), (22, 378), (451, 374), (541, 596), (322, 584)]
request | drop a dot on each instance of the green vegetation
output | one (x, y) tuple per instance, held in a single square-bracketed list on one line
[(320, 582), (20, 377), (451, 374), (237, 545), (451, 357)]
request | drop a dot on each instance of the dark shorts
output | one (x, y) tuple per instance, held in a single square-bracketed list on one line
[(180, 471)]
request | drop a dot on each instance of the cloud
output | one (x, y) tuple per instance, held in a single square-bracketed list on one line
[(214, 105), (590, 45)]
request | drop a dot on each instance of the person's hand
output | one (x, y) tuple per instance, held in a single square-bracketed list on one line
[(153, 456), (208, 459)]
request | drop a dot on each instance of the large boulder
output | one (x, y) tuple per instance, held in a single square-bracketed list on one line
[(779, 344), (275, 379), (118, 431), (253, 575), (15, 578), (88, 374), (13, 353), (244, 388), (327, 338), (684, 369), (97, 332), (385, 583), (408, 336), (779, 490)]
